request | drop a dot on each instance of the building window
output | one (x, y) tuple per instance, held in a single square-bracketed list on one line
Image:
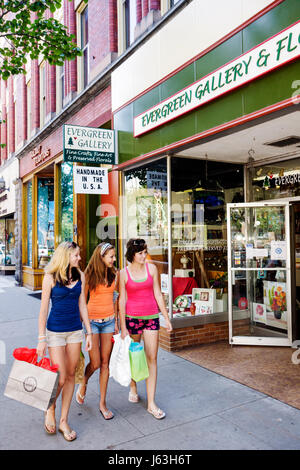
[(130, 21), (28, 98), (60, 87), (29, 223), (7, 242), (42, 94), (173, 3), (45, 220), (84, 44), (66, 203)]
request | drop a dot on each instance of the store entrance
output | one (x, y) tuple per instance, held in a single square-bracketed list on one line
[(259, 273), (295, 271)]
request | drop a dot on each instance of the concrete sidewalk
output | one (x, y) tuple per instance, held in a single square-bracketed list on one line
[(204, 410)]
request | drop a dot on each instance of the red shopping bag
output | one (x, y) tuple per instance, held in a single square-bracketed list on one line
[(30, 356)]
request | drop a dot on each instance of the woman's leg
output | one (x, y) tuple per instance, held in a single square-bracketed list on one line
[(151, 349), (93, 365), (72, 354), (105, 352), (57, 356), (133, 394)]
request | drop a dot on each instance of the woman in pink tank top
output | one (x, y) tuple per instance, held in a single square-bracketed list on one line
[(140, 302)]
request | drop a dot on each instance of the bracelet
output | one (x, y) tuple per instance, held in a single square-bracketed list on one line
[(44, 336), (42, 341), (89, 333)]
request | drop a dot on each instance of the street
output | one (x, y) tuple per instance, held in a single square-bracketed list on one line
[(203, 409)]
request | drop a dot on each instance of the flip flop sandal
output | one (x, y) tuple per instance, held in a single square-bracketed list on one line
[(107, 414), (157, 413), (78, 395), (133, 397), (47, 429), (67, 435)]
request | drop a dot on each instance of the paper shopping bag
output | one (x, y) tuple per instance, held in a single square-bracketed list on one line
[(79, 372), (32, 385), (138, 362)]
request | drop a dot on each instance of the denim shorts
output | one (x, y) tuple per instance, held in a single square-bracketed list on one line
[(104, 327)]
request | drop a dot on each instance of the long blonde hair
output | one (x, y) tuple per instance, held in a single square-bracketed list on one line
[(59, 264)]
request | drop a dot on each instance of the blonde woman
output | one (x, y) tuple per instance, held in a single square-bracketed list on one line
[(62, 330)]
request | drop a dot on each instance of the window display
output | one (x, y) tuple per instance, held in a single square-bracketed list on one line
[(200, 191), (7, 242), (45, 220), (66, 202), (29, 223)]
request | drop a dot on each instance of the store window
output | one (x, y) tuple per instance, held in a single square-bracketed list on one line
[(146, 213), (7, 242), (45, 220), (2, 242), (276, 180), (10, 259), (29, 223), (200, 191), (66, 202)]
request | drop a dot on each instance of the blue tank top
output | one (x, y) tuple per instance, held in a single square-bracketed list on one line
[(65, 314)]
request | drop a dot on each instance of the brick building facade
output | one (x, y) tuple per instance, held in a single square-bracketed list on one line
[(34, 108)]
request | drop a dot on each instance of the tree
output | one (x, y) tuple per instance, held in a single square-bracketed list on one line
[(27, 33)]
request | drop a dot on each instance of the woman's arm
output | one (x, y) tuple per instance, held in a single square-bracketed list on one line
[(116, 302), (46, 292), (158, 295), (84, 314), (122, 303)]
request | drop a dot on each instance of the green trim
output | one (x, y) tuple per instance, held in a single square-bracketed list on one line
[(140, 280), (258, 94), (148, 317)]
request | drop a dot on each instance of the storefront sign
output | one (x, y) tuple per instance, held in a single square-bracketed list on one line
[(39, 156), (90, 180), (269, 55), (88, 145)]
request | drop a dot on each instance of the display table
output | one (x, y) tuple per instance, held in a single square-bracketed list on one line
[(183, 286)]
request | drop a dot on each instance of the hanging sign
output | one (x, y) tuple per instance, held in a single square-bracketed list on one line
[(88, 145), (90, 180), (269, 55)]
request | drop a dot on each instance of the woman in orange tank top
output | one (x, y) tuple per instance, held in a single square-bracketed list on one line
[(100, 277)]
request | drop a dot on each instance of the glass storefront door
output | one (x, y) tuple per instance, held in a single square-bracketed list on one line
[(259, 283)]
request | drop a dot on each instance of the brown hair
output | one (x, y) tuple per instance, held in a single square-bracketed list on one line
[(95, 270), (134, 245)]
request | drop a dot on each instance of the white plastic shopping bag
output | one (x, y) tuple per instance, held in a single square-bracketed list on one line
[(119, 365)]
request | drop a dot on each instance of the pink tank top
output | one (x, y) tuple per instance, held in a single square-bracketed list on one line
[(140, 296)]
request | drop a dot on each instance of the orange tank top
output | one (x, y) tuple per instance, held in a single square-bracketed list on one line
[(101, 303)]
